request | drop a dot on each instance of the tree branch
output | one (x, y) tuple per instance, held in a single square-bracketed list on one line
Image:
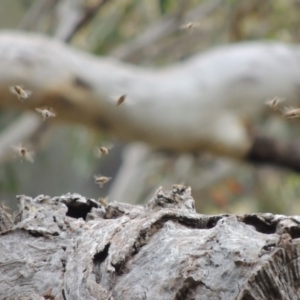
[(77, 15), (199, 105), (269, 151)]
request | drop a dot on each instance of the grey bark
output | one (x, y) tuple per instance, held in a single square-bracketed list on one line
[(71, 247)]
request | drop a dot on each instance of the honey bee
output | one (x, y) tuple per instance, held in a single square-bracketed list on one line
[(20, 92), (102, 151), (120, 99), (46, 113), (103, 201), (273, 103), (291, 112), (101, 180), (190, 25), (24, 153)]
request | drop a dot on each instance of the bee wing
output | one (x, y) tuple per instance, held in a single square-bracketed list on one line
[(16, 148), (52, 113), (39, 110), (29, 156), (108, 146), (129, 101), (270, 102), (27, 93), (116, 98), (97, 177), (288, 109), (185, 26), (97, 153), (12, 89)]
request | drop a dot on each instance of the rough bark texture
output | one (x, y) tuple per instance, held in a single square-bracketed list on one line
[(71, 247)]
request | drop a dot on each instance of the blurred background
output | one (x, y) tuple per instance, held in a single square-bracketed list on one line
[(150, 33)]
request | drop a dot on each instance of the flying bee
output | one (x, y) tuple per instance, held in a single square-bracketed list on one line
[(20, 92), (273, 103), (101, 180), (190, 25), (24, 153), (120, 99), (46, 113), (291, 112), (103, 201), (103, 150)]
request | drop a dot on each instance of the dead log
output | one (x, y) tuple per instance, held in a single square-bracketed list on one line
[(72, 247)]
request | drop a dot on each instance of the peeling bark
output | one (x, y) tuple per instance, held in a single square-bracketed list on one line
[(71, 247)]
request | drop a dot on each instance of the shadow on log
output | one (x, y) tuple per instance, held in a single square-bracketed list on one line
[(71, 247)]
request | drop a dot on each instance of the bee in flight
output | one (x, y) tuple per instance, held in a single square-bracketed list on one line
[(101, 180), (20, 92), (190, 25), (273, 103), (119, 100), (291, 112), (23, 153), (103, 201), (102, 151), (46, 113)]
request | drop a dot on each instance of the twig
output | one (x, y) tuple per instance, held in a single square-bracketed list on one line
[(18, 131), (129, 182), (160, 30), (36, 12), (73, 16)]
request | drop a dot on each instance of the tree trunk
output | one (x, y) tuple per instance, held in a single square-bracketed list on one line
[(71, 247)]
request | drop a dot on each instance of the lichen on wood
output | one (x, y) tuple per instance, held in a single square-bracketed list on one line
[(72, 247)]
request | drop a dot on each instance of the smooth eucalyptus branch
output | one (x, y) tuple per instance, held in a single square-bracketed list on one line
[(203, 104)]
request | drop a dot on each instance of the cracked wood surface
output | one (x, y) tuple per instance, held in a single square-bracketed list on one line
[(71, 247)]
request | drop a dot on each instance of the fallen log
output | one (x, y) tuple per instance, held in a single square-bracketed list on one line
[(72, 247)]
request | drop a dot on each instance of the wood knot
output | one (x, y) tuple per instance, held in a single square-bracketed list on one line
[(180, 197)]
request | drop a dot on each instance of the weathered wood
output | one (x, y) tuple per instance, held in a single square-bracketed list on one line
[(71, 247)]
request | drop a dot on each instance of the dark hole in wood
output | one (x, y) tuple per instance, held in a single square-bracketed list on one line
[(35, 233), (119, 267), (259, 225), (78, 212), (294, 232), (101, 256), (188, 287), (98, 259), (213, 222)]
